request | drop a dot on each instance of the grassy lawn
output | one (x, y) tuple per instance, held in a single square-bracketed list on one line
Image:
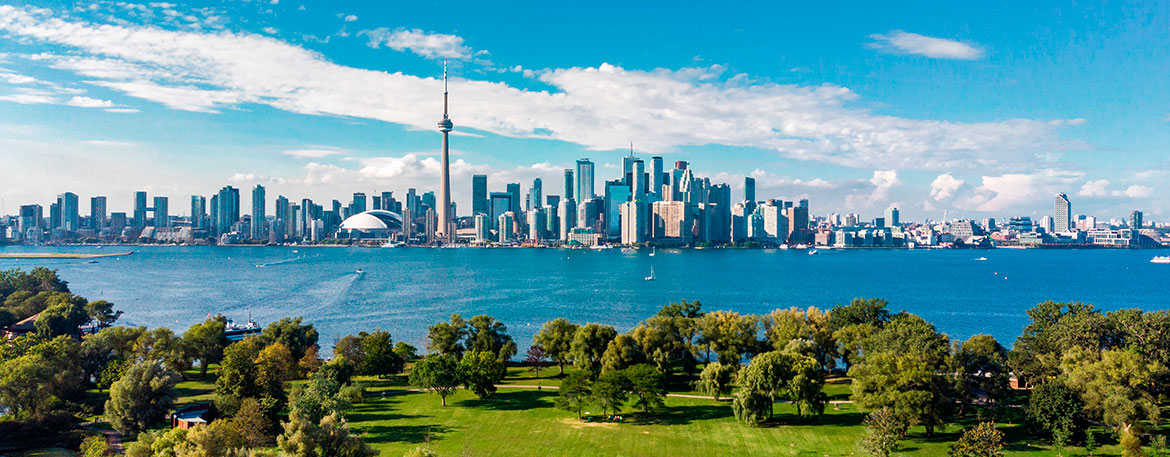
[(48, 452), (525, 423)]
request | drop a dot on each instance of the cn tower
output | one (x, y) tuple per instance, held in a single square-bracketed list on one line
[(445, 224)]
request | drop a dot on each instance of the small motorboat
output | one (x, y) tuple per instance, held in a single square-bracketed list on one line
[(981, 258), (360, 271), (651, 277), (813, 252), (1160, 259)]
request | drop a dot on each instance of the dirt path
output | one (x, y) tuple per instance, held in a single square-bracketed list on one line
[(113, 438), (533, 386)]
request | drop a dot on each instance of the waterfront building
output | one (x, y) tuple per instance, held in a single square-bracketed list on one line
[(258, 213), (774, 220), (162, 217), (67, 217), (500, 203), (479, 196), (749, 191), (533, 201), (892, 219), (755, 226), (616, 194), (198, 212), (140, 209), (513, 190), (589, 213), (117, 223), (739, 215), (373, 224), (628, 168), (97, 213), (358, 205), (657, 178), (31, 219), (506, 223), (1062, 214), (638, 171), (798, 223), (566, 218), (482, 228), (671, 222), (1135, 220), (569, 184), (583, 237), (633, 222), (432, 222), (537, 225), (719, 204), (585, 180)]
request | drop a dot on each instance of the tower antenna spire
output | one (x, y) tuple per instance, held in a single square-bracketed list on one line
[(444, 88)]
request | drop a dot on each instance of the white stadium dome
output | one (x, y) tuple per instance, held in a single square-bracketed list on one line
[(371, 224)]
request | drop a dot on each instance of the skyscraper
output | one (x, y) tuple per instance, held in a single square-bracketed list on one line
[(259, 219), (892, 219), (637, 172), (657, 179), (226, 209), (749, 189), (445, 220), (67, 205), (1062, 220), (97, 213), (514, 191), (283, 217), (162, 216), (140, 209), (359, 203), (568, 195), (584, 180), (534, 195), (501, 202), (1135, 220), (198, 212), (479, 196)]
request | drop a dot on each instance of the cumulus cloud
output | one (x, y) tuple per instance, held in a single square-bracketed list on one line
[(429, 45), (310, 153), (597, 107), (936, 48), (1138, 191), (1100, 188), (1016, 190), (944, 186), (1097, 188), (87, 102)]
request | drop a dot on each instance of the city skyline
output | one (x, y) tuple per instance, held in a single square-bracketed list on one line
[(889, 119)]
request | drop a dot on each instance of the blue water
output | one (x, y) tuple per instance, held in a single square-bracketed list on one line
[(404, 290)]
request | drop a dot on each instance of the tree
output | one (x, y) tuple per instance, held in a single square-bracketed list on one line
[(645, 383), (1116, 386), (405, 351), (142, 397), (163, 345), (275, 365), (883, 431), (859, 311), (728, 334), (1056, 409), (589, 345), (536, 359), (1054, 329), (575, 393), (903, 367), (611, 390), (206, 342), (556, 337), (782, 326), (293, 334), (715, 380), (447, 337), (102, 312), (349, 348), (110, 346), (212, 440), (486, 334), (621, 352), (982, 368), (768, 374), (252, 423), (806, 387), (480, 371), (243, 374), (380, 359), (311, 362), (982, 440), (63, 316), (37, 374), (751, 407), (332, 438), (95, 446), (438, 373)]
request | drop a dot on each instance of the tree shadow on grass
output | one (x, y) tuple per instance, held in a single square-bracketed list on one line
[(413, 434), (513, 400), (683, 415)]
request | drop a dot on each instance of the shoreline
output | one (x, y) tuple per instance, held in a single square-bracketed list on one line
[(60, 255)]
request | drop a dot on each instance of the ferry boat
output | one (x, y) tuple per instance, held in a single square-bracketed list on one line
[(236, 332), (1160, 259)]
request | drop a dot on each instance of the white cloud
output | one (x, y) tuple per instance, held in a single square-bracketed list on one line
[(1097, 188), (87, 102), (597, 107), (944, 186), (1019, 190), (1100, 188), (879, 192), (936, 48), (110, 143), (270, 30), (350, 18), (429, 45), (1138, 191), (311, 153)]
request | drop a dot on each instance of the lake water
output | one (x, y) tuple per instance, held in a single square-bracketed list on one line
[(404, 290)]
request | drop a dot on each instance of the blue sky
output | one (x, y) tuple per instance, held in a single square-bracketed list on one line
[(977, 109)]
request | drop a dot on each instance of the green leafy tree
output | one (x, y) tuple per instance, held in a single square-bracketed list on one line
[(206, 342), (576, 392), (850, 339), (859, 311), (37, 375), (349, 347), (982, 440), (251, 422), (212, 440), (622, 352), (163, 345), (589, 345), (884, 431), (102, 312), (95, 446), (782, 326), (1116, 386), (728, 334), (1056, 409), (768, 374), (298, 337), (379, 357), (715, 380), (114, 345), (611, 391), (480, 371), (981, 363), (806, 387), (1054, 329), (405, 351), (447, 337), (330, 438), (62, 317), (903, 367), (556, 337), (486, 334), (645, 383), (438, 373), (244, 373), (142, 397), (751, 407)]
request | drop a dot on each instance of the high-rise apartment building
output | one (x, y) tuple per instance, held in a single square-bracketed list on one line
[(1062, 217), (97, 213), (479, 196), (140, 209), (259, 216), (198, 212), (534, 195), (568, 184), (162, 215), (584, 180)]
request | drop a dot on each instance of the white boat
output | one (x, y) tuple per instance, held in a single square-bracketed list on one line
[(783, 247), (981, 258), (651, 277), (652, 252), (1160, 259), (813, 252), (391, 244), (360, 271)]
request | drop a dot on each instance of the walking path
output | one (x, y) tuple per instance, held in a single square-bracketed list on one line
[(533, 386)]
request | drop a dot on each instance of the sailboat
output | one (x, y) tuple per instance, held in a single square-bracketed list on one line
[(651, 277), (652, 251)]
